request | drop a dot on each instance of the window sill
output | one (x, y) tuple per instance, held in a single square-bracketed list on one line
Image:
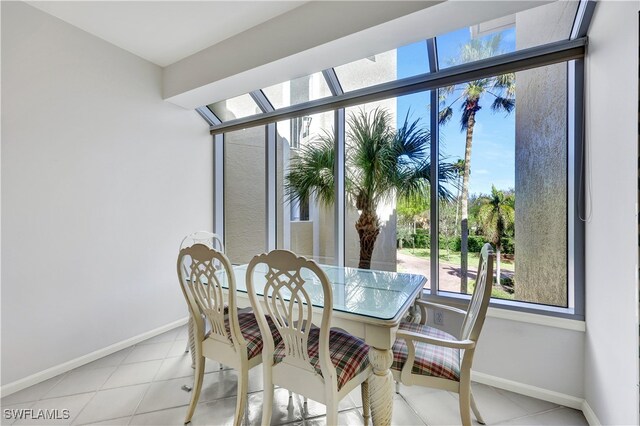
[(549, 316)]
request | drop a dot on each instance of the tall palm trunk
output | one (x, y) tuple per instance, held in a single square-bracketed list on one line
[(455, 226), (368, 230), (464, 213), (497, 264)]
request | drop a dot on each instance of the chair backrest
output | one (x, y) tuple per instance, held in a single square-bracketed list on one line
[(289, 305), (207, 238), (203, 274), (473, 321)]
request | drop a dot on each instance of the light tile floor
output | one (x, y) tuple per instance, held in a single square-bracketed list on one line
[(142, 385)]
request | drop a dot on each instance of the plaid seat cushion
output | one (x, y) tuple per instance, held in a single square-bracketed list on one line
[(431, 360), (251, 332), (349, 354)]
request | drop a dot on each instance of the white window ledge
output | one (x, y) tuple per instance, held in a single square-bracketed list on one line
[(548, 316), (540, 319)]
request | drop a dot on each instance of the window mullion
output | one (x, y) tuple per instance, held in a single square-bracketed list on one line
[(432, 54), (575, 187), (218, 185), (339, 178), (433, 193), (271, 177)]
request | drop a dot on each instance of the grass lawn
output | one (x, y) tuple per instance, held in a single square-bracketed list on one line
[(496, 291), (453, 257)]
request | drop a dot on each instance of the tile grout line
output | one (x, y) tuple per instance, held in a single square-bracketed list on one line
[(135, 410), (121, 363), (559, 407), (62, 376), (411, 407), (100, 387)]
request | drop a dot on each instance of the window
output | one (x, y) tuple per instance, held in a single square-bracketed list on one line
[(508, 134), (239, 107), (306, 217), (507, 149), (384, 67), (296, 91)]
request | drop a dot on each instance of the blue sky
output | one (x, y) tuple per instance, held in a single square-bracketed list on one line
[(493, 150)]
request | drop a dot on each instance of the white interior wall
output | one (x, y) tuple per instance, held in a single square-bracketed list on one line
[(100, 181), (611, 353)]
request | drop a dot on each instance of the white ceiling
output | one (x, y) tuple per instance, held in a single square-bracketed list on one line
[(164, 32)]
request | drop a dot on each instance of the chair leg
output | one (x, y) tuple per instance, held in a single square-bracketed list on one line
[(332, 413), (192, 342), (476, 412), (241, 401), (366, 412), (465, 402), (197, 386), (397, 387), (267, 395)]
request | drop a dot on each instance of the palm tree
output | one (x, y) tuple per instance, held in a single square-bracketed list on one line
[(459, 168), (381, 163), (502, 89), (496, 215)]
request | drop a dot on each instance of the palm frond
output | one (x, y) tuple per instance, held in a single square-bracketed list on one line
[(311, 171), (496, 215), (469, 108), (445, 115), (503, 104), (504, 81), (411, 141), (417, 182)]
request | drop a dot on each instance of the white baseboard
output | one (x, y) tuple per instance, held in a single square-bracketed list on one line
[(590, 415), (41, 376), (529, 390)]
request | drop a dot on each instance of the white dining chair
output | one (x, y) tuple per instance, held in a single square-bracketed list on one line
[(323, 364), (210, 240), (427, 356), (234, 338), (207, 238)]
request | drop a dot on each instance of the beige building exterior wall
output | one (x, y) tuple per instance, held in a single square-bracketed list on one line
[(244, 201), (541, 162)]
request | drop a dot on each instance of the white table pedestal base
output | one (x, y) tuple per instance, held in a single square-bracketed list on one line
[(381, 386)]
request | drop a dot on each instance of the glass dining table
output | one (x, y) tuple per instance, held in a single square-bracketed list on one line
[(366, 303)]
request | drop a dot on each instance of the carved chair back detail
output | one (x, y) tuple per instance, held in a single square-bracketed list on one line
[(290, 306), (204, 273)]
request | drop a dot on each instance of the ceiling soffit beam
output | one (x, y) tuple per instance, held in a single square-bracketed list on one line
[(533, 57), (306, 27), (257, 58)]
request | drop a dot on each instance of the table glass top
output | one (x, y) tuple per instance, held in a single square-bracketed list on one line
[(376, 294)]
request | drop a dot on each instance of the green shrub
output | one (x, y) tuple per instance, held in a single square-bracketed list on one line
[(421, 238), (508, 245), (449, 244), (474, 242)]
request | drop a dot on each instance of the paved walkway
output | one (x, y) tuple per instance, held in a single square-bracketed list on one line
[(449, 273)]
